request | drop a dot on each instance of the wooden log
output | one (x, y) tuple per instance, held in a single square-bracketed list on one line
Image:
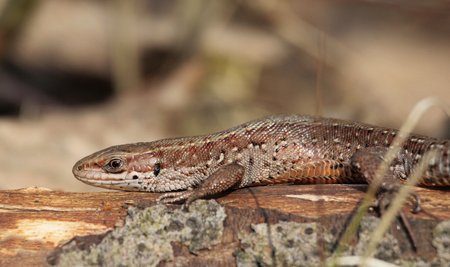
[(34, 221)]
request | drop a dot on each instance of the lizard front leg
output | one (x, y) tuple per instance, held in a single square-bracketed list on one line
[(221, 180)]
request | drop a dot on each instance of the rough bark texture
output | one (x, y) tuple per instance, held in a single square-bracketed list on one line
[(271, 224)]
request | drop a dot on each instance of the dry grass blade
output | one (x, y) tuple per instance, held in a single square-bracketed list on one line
[(417, 112), (396, 205)]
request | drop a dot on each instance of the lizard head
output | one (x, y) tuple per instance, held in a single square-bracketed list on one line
[(135, 167)]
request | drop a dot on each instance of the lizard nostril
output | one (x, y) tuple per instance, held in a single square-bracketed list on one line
[(79, 168)]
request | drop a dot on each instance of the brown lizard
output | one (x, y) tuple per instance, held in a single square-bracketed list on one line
[(271, 150)]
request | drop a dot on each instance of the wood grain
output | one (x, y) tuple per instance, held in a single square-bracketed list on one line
[(35, 221)]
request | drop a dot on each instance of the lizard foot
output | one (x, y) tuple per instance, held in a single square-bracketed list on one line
[(387, 195), (385, 198), (174, 197)]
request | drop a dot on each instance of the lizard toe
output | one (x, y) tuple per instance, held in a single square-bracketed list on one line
[(173, 197)]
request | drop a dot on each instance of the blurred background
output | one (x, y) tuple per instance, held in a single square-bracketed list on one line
[(78, 76)]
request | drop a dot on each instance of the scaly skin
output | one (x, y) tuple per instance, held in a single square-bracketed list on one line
[(271, 150)]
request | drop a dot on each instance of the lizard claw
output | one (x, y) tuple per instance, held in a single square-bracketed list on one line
[(174, 197), (416, 204), (383, 201), (385, 198)]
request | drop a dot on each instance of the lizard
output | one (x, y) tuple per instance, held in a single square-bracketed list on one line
[(278, 149)]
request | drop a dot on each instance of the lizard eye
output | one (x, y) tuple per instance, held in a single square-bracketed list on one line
[(114, 165), (156, 169)]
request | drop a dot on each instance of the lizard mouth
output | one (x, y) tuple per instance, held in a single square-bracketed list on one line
[(91, 175), (99, 176), (107, 182), (114, 181)]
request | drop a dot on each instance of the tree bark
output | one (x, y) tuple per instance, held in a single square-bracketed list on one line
[(35, 221)]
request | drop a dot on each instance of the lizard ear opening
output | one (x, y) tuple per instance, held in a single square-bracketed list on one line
[(156, 169)]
